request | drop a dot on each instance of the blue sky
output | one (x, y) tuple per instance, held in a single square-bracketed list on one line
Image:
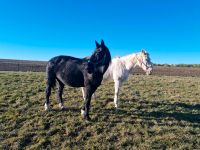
[(39, 29)]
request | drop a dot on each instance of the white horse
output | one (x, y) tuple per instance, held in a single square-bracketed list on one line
[(120, 68)]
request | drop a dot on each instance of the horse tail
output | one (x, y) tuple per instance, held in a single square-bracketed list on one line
[(51, 75)]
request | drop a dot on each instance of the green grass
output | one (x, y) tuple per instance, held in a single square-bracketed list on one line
[(156, 112)]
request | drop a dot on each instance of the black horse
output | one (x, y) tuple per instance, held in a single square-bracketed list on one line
[(76, 72)]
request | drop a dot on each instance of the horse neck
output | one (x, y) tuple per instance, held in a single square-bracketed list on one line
[(105, 66), (130, 61), (107, 61)]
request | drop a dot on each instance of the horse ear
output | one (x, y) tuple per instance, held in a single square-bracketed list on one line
[(97, 44), (102, 43), (143, 51)]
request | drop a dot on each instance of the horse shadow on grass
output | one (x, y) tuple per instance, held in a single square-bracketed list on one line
[(151, 110), (147, 110), (66, 109), (178, 111)]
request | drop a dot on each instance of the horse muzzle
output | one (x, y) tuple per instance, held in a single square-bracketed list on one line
[(149, 71)]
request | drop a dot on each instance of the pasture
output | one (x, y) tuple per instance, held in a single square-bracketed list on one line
[(156, 112)]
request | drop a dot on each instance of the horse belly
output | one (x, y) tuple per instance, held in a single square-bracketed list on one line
[(71, 77)]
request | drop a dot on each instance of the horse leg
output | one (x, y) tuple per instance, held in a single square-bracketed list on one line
[(117, 86), (86, 106), (48, 93), (83, 92), (51, 81), (59, 94)]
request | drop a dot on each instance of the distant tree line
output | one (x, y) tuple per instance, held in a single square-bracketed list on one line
[(159, 69), (178, 65)]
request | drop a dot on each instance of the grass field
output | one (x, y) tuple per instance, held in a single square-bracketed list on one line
[(156, 112)]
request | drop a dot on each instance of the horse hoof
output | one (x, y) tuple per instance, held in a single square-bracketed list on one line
[(87, 118), (61, 106), (116, 106), (83, 113), (46, 107)]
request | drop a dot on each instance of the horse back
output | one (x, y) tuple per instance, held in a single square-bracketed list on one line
[(69, 70)]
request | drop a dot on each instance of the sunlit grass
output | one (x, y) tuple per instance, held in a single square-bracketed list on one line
[(156, 112)]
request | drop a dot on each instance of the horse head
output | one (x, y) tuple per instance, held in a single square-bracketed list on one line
[(100, 59), (144, 61)]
